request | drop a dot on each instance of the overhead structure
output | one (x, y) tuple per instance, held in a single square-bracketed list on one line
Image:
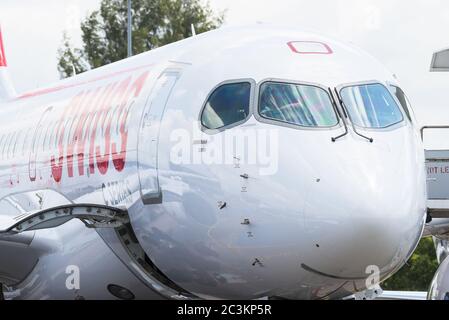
[(440, 61)]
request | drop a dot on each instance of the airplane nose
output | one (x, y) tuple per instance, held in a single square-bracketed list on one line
[(367, 207)]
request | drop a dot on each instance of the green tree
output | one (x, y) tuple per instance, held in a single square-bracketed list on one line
[(417, 274), (69, 58), (155, 23)]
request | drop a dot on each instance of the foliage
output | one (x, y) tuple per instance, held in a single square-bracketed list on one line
[(417, 274), (155, 23), (69, 61)]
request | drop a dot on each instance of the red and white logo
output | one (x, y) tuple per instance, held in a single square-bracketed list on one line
[(2, 51), (310, 47)]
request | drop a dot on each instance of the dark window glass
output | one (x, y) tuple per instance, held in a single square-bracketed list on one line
[(302, 105), (227, 105), (405, 103), (371, 106)]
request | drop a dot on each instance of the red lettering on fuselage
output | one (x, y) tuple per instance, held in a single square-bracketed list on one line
[(91, 116), (119, 159), (101, 111), (57, 164), (84, 126), (103, 159)]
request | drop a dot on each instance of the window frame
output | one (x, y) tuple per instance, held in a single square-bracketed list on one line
[(16, 142), (5, 146), (385, 85), (275, 122), (2, 140), (409, 113), (252, 83), (25, 147), (11, 144)]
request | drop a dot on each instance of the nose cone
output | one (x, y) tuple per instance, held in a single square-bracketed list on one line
[(366, 207)]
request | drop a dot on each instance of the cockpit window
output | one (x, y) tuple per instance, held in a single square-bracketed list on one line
[(371, 106), (405, 103), (302, 105), (227, 105)]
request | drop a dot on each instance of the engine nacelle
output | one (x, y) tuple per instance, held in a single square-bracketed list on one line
[(439, 288)]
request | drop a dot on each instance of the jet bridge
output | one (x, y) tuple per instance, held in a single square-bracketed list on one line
[(437, 166)]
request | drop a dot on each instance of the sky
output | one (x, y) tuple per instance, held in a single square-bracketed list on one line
[(401, 34)]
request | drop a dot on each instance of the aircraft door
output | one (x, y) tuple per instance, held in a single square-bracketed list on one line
[(149, 137)]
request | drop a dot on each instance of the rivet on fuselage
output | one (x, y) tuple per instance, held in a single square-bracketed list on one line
[(221, 205), (236, 163), (257, 262), (200, 142)]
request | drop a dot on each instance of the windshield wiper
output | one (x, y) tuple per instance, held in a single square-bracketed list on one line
[(346, 114), (334, 139)]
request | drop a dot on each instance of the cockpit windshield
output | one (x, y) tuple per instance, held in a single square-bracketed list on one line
[(297, 104), (371, 106)]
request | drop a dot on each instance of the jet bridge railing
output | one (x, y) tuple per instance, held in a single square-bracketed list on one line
[(423, 129)]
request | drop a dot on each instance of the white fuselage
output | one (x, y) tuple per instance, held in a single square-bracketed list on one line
[(307, 225)]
